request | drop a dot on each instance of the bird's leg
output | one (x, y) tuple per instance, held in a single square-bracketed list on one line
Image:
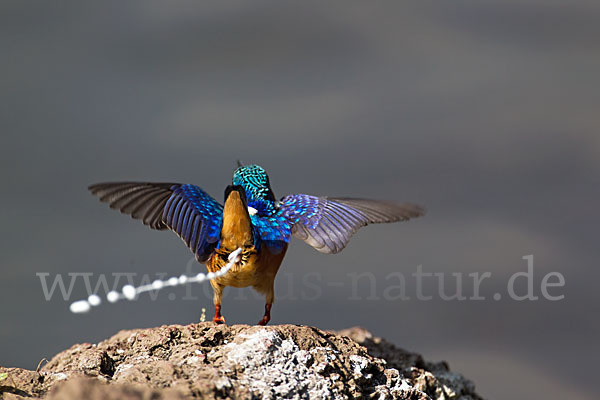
[(269, 299), (218, 295), (219, 319), (267, 316)]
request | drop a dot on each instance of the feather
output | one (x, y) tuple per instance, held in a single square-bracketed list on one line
[(327, 224), (185, 209)]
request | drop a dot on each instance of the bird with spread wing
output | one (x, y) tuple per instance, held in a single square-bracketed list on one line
[(251, 219)]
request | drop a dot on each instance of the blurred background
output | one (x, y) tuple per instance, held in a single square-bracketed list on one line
[(486, 113)]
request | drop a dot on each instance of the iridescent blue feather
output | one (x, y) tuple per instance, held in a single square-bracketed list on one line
[(324, 223), (255, 181), (185, 209), (327, 224), (196, 217)]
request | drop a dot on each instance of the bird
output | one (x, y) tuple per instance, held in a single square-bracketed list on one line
[(250, 219)]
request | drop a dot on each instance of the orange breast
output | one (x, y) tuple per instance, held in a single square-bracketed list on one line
[(256, 269)]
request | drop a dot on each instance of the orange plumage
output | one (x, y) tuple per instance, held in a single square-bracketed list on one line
[(256, 269)]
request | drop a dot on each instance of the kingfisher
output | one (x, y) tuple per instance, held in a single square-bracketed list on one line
[(251, 219)]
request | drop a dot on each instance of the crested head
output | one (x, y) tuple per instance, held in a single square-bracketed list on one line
[(255, 181)]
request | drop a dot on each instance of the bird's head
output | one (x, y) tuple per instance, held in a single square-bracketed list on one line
[(255, 181)]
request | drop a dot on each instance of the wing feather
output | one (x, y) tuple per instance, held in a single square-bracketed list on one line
[(185, 209), (327, 224), (141, 200)]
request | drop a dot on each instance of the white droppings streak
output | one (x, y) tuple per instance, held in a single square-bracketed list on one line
[(94, 300), (130, 292), (112, 296), (157, 284), (81, 306)]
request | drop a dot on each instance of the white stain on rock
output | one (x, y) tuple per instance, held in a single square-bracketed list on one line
[(275, 368)]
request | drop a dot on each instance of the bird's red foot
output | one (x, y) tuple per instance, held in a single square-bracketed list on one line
[(219, 319), (265, 320)]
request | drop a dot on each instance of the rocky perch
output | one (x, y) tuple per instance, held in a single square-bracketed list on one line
[(205, 360)]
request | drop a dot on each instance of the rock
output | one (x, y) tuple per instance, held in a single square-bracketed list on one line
[(237, 362), (433, 379)]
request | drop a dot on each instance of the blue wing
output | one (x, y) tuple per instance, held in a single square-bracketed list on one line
[(327, 224), (185, 209), (196, 218)]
